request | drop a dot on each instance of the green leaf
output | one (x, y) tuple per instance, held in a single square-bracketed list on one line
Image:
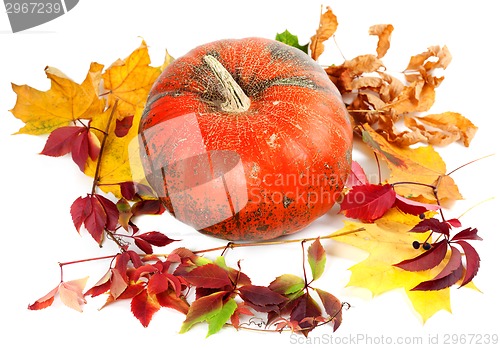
[(291, 40), (203, 309), (217, 321), (316, 257), (287, 284)]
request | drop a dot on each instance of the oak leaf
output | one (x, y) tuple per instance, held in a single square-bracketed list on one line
[(65, 102)]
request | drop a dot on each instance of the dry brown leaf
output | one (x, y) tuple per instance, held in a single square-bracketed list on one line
[(456, 125), (383, 31), (327, 27), (442, 54), (417, 97)]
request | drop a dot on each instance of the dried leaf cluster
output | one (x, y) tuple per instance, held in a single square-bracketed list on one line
[(398, 220)]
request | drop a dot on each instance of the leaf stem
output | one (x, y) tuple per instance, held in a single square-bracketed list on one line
[(101, 151), (232, 245)]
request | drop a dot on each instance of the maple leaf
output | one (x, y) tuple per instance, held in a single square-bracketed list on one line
[(65, 102), (129, 81), (422, 165), (388, 242)]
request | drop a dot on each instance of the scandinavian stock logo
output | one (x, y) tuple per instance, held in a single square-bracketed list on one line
[(25, 14)]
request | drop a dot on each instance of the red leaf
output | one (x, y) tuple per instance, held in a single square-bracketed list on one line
[(333, 307), (132, 191), (101, 286), (450, 274), (148, 207), (44, 301), (413, 207), (80, 209), (357, 176), (208, 276), (123, 126), (95, 222), (170, 300), (261, 298), (368, 202), (432, 224), (111, 211), (468, 233), (427, 260), (144, 306), (454, 222), (80, 149), (156, 238), (472, 259), (60, 141), (306, 308), (143, 245)]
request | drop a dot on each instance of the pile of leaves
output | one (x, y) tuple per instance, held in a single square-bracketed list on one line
[(399, 220)]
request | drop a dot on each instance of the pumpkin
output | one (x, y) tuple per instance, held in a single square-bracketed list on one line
[(246, 139)]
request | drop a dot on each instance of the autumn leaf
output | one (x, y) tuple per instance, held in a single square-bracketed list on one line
[(422, 165), (120, 161), (144, 306), (70, 293), (383, 31), (129, 81), (368, 202), (203, 309), (65, 102), (316, 257), (327, 27), (388, 242)]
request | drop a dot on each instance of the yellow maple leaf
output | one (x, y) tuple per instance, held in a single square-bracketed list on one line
[(65, 101), (417, 167), (119, 160), (388, 242), (130, 80)]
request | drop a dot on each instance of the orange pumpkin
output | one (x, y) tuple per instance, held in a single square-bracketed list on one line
[(246, 139)]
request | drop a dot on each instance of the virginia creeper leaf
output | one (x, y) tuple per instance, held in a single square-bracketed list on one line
[(432, 224), (450, 274), (287, 284), (368, 202), (333, 307), (261, 298), (468, 233), (60, 141), (144, 306), (427, 260), (44, 301), (414, 207), (472, 260), (71, 293), (156, 238), (217, 321), (208, 276), (306, 307), (203, 309), (316, 256), (123, 126), (171, 300)]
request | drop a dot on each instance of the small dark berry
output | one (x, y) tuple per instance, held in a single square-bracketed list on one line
[(416, 244), (422, 216), (426, 246)]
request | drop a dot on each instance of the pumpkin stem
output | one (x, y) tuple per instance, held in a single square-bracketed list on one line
[(235, 99)]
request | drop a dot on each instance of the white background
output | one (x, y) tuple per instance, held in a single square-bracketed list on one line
[(36, 228)]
